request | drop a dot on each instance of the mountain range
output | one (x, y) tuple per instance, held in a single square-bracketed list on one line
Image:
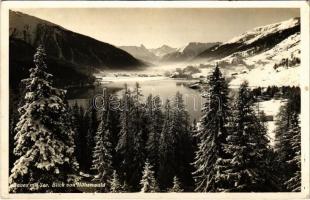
[(163, 50), (141, 52), (191, 50), (268, 52), (79, 53), (166, 53)]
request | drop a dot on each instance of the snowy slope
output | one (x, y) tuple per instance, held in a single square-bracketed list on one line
[(261, 58), (270, 68), (260, 32), (255, 41)]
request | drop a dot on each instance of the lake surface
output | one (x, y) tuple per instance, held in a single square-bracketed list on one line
[(166, 88)]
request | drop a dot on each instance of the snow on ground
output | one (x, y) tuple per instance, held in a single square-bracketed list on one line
[(271, 127), (267, 76), (285, 49), (271, 108), (263, 72)]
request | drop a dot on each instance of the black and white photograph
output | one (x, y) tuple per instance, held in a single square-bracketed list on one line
[(155, 100)]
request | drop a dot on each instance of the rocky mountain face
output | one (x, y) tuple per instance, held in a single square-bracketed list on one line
[(81, 54), (188, 52), (254, 41)]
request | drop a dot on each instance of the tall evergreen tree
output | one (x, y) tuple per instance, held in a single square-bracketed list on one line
[(77, 121), (155, 121), (137, 117), (90, 135), (247, 167), (293, 182), (102, 155), (167, 165), (16, 100), (148, 181), (180, 131), (44, 140), (126, 147), (213, 134), (113, 125), (83, 147), (286, 145)]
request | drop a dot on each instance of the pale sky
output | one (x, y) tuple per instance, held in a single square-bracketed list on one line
[(154, 27)]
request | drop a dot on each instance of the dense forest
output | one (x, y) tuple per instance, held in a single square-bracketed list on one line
[(133, 145)]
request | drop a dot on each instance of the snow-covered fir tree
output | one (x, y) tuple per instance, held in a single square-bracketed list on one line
[(246, 168), (167, 163), (44, 140), (180, 130), (102, 155), (212, 134), (125, 145), (287, 148), (130, 146), (293, 138), (115, 183), (113, 124), (83, 150), (155, 121), (148, 181), (77, 121), (176, 185), (92, 127), (139, 132)]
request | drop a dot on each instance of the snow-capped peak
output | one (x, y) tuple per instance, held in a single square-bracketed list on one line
[(259, 32)]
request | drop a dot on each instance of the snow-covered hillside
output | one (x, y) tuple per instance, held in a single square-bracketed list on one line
[(277, 66), (260, 32), (261, 63)]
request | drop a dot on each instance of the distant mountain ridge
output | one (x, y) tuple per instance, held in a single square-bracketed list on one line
[(140, 52), (73, 57), (256, 40), (188, 52), (63, 44), (163, 50), (166, 53)]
